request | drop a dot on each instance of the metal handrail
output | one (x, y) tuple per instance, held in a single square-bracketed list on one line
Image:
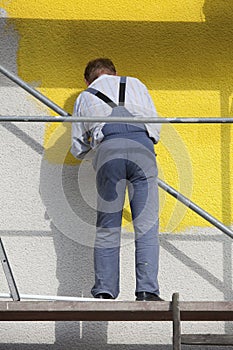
[(69, 119), (208, 217), (194, 207)]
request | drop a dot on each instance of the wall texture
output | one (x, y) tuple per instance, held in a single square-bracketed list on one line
[(183, 52)]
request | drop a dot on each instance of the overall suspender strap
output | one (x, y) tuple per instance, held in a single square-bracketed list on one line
[(102, 96), (122, 91), (106, 99)]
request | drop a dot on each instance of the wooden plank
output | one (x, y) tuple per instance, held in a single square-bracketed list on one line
[(207, 311), (106, 310), (85, 311), (207, 339)]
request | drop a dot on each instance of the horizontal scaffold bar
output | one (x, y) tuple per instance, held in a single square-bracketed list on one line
[(69, 119)]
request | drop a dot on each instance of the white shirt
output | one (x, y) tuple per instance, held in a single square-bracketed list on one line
[(88, 135)]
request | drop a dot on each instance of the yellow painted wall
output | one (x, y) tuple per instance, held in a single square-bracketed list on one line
[(182, 50)]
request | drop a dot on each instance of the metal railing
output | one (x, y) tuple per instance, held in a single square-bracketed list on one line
[(69, 119)]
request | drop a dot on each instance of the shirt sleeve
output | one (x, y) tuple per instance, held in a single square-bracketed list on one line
[(80, 135), (153, 128)]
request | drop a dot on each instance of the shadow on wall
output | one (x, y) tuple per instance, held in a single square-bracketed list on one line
[(58, 138), (73, 226), (218, 11), (164, 55), (219, 20)]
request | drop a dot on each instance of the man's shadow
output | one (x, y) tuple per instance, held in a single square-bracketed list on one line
[(72, 220)]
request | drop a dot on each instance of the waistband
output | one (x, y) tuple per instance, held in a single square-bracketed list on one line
[(122, 129)]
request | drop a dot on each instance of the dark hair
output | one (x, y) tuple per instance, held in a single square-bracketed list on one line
[(97, 67)]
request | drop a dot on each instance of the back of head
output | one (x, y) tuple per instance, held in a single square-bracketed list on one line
[(97, 67)]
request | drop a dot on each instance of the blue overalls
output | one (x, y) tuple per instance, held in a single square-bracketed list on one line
[(125, 158)]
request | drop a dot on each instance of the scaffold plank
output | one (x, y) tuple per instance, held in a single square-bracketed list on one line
[(107, 310), (206, 311), (100, 310)]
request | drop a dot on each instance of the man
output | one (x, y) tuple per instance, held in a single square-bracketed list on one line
[(123, 157)]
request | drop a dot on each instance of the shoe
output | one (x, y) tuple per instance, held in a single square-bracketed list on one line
[(146, 296), (104, 296)]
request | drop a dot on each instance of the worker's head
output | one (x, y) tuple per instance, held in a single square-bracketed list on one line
[(97, 67)]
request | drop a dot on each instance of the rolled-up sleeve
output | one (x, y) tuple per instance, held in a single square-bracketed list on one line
[(152, 128)]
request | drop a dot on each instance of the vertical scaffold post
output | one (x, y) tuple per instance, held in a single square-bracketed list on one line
[(8, 273), (176, 322)]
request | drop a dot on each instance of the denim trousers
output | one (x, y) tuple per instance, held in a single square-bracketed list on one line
[(126, 158)]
